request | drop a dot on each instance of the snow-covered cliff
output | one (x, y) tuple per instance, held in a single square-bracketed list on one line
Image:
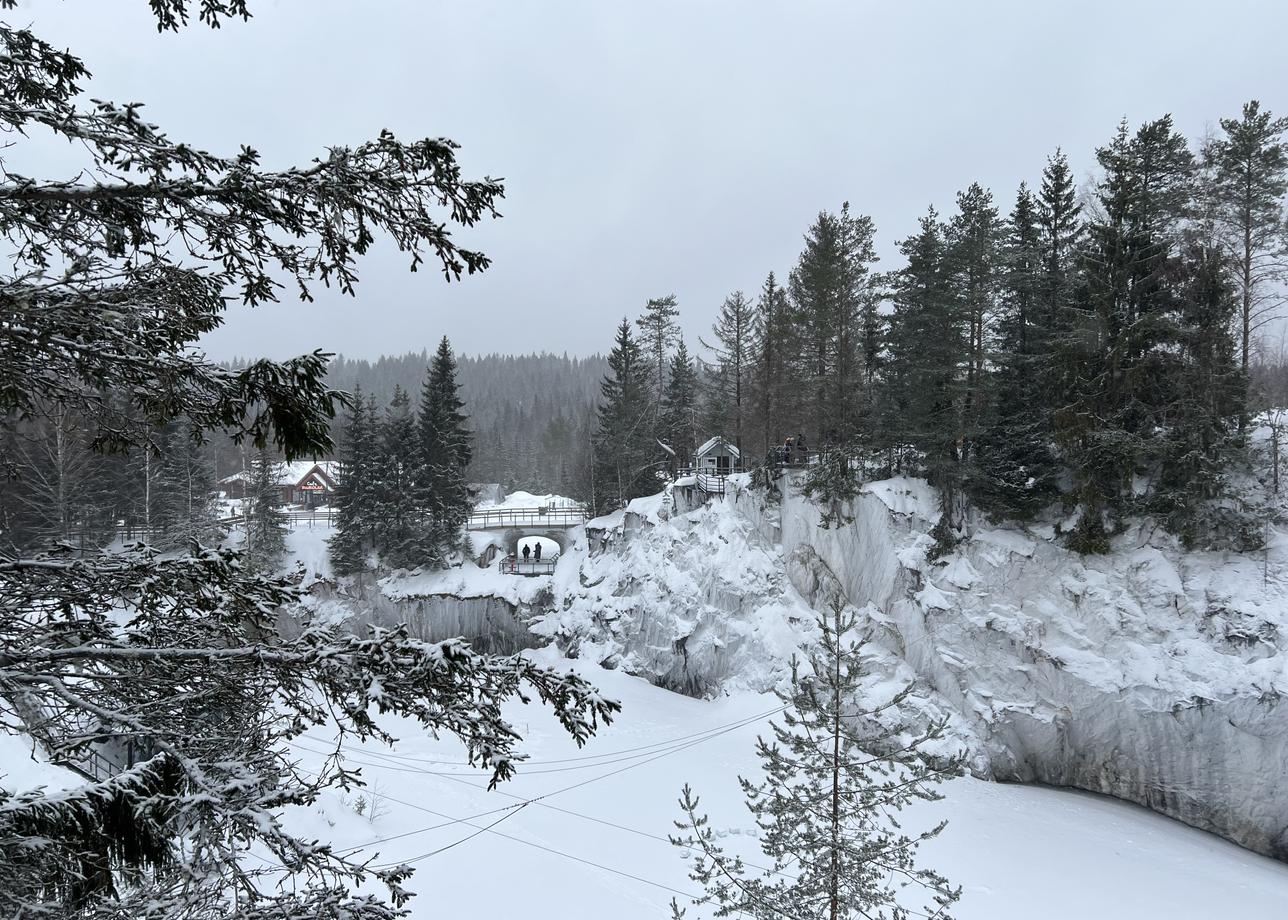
[(693, 599), (1151, 674)]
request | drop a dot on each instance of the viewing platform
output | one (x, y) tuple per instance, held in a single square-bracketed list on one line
[(513, 565)]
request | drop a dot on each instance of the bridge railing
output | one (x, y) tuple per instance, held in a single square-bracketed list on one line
[(490, 518)]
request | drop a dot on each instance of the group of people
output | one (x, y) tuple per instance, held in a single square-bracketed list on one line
[(793, 450), (530, 554)]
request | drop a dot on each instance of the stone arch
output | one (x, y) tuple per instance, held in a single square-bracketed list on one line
[(515, 535)]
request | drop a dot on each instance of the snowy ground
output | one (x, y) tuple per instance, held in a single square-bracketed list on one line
[(306, 545), (523, 499), (594, 845)]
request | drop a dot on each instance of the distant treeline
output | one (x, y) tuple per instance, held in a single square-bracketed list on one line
[(532, 416)]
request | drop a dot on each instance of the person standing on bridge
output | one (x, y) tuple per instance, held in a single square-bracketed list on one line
[(536, 553), (527, 552)]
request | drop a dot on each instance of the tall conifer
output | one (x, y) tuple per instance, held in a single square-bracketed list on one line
[(353, 499), (658, 332), (733, 351), (445, 450), (1015, 468), (626, 458), (1248, 166), (266, 523), (930, 350), (680, 406)]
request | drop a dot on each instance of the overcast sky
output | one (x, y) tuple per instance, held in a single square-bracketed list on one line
[(660, 147)]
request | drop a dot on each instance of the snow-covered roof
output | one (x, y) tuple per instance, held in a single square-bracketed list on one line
[(293, 473), (713, 443)]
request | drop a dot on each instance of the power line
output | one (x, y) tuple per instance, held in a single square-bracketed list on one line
[(539, 846), (406, 862), (538, 800), (640, 759), (584, 757), (700, 736), (519, 806)]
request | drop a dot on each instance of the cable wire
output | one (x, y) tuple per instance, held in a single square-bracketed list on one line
[(584, 757)]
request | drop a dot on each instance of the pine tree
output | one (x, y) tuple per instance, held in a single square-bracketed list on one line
[(1059, 222), (1062, 322), (185, 504), (1121, 352), (1248, 166), (1016, 467), (831, 290), (680, 406), (445, 450), (1203, 435), (112, 281), (266, 522), (835, 775), (930, 351), (658, 332), (403, 537), (857, 332), (732, 349), (626, 459), (353, 499), (775, 358), (973, 256), (714, 409)]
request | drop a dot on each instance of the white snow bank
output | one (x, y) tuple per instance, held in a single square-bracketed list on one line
[(523, 499), (24, 767), (905, 495), (306, 545), (466, 581)]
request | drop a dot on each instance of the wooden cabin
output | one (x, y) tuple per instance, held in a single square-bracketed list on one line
[(717, 456), (304, 482)]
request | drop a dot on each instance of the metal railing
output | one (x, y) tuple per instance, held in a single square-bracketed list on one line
[(496, 518), (294, 516), (788, 457), (711, 483), (710, 471), (511, 565)]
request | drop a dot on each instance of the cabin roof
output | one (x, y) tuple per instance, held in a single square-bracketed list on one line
[(715, 442), (294, 473)]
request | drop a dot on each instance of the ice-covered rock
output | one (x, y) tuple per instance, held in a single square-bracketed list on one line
[(1150, 674), (690, 595)]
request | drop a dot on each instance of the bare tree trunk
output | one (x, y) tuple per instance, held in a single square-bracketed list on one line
[(1247, 267), (834, 901)]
